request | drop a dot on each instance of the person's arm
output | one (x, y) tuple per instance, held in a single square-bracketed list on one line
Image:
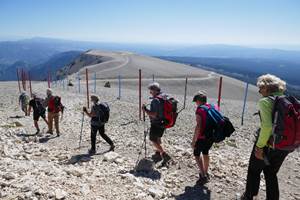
[(90, 114), (265, 109), (197, 130), (148, 112)]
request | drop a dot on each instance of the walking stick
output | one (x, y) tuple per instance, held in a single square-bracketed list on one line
[(80, 138), (145, 134)]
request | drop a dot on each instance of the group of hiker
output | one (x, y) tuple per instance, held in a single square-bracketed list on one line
[(276, 138), (39, 105)]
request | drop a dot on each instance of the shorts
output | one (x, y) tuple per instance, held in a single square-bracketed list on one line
[(156, 132), (36, 116), (202, 146)]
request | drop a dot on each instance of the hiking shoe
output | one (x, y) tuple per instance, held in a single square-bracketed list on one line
[(156, 157), (92, 151), (112, 148), (202, 180), (49, 132), (57, 134), (166, 157)]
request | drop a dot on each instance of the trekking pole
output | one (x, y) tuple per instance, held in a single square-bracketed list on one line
[(185, 92), (145, 134), (80, 137)]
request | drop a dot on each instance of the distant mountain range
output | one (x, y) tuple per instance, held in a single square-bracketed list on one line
[(40, 55)]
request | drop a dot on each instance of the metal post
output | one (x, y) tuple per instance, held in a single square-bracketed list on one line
[(220, 91), (140, 94), (119, 87), (244, 106), (95, 77), (87, 87), (18, 80), (185, 91), (30, 88)]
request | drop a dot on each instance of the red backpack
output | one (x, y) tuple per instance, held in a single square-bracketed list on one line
[(169, 110), (286, 123)]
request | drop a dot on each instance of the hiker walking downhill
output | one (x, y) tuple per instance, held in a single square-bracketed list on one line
[(54, 108), (23, 102), (200, 143), (38, 111), (265, 157), (99, 116), (157, 128)]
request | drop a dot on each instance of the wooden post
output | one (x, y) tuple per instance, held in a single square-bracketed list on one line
[(23, 79), (244, 106), (78, 78), (185, 91), (140, 94), (30, 88), (87, 87), (18, 80), (220, 91)]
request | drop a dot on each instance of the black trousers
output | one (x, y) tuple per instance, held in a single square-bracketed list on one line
[(101, 129), (270, 170)]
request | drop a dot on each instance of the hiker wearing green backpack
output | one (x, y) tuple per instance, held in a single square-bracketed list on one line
[(99, 115), (200, 143), (38, 111), (157, 127), (278, 136), (23, 102)]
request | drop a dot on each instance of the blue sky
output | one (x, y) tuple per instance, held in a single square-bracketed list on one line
[(242, 22)]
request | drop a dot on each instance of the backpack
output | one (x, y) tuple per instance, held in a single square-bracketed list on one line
[(103, 110), (39, 105), (169, 110), (218, 127), (55, 105), (286, 123), (24, 98)]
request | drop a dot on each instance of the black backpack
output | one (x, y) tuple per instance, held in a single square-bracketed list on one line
[(39, 105), (103, 110)]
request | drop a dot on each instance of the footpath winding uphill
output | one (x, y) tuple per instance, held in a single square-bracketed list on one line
[(49, 167)]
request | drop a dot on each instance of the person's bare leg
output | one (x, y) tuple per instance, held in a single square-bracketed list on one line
[(50, 122), (158, 147), (200, 165), (206, 163), (36, 125)]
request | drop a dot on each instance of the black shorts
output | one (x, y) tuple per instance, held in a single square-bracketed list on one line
[(202, 146), (156, 132), (36, 116)]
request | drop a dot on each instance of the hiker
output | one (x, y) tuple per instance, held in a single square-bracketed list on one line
[(99, 116), (200, 143), (263, 157), (157, 128), (38, 111), (54, 108), (23, 102)]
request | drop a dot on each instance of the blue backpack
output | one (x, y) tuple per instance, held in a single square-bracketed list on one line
[(218, 127)]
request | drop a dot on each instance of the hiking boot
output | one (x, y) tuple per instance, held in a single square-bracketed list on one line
[(37, 132), (202, 180), (50, 132), (166, 157), (57, 134), (92, 151), (112, 148), (156, 157)]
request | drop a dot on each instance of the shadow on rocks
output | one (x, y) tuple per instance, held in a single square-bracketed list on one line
[(46, 139), (197, 192), (83, 157), (145, 168)]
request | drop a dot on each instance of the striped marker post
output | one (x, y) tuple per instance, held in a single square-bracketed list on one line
[(245, 100), (30, 88)]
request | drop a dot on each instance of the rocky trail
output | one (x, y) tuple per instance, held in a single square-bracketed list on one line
[(50, 167)]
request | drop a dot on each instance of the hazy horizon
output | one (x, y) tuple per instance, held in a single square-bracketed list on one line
[(254, 23)]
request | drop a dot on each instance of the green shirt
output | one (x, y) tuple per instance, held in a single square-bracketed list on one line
[(265, 105)]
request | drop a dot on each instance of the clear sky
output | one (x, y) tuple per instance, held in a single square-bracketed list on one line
[(243, 22)]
